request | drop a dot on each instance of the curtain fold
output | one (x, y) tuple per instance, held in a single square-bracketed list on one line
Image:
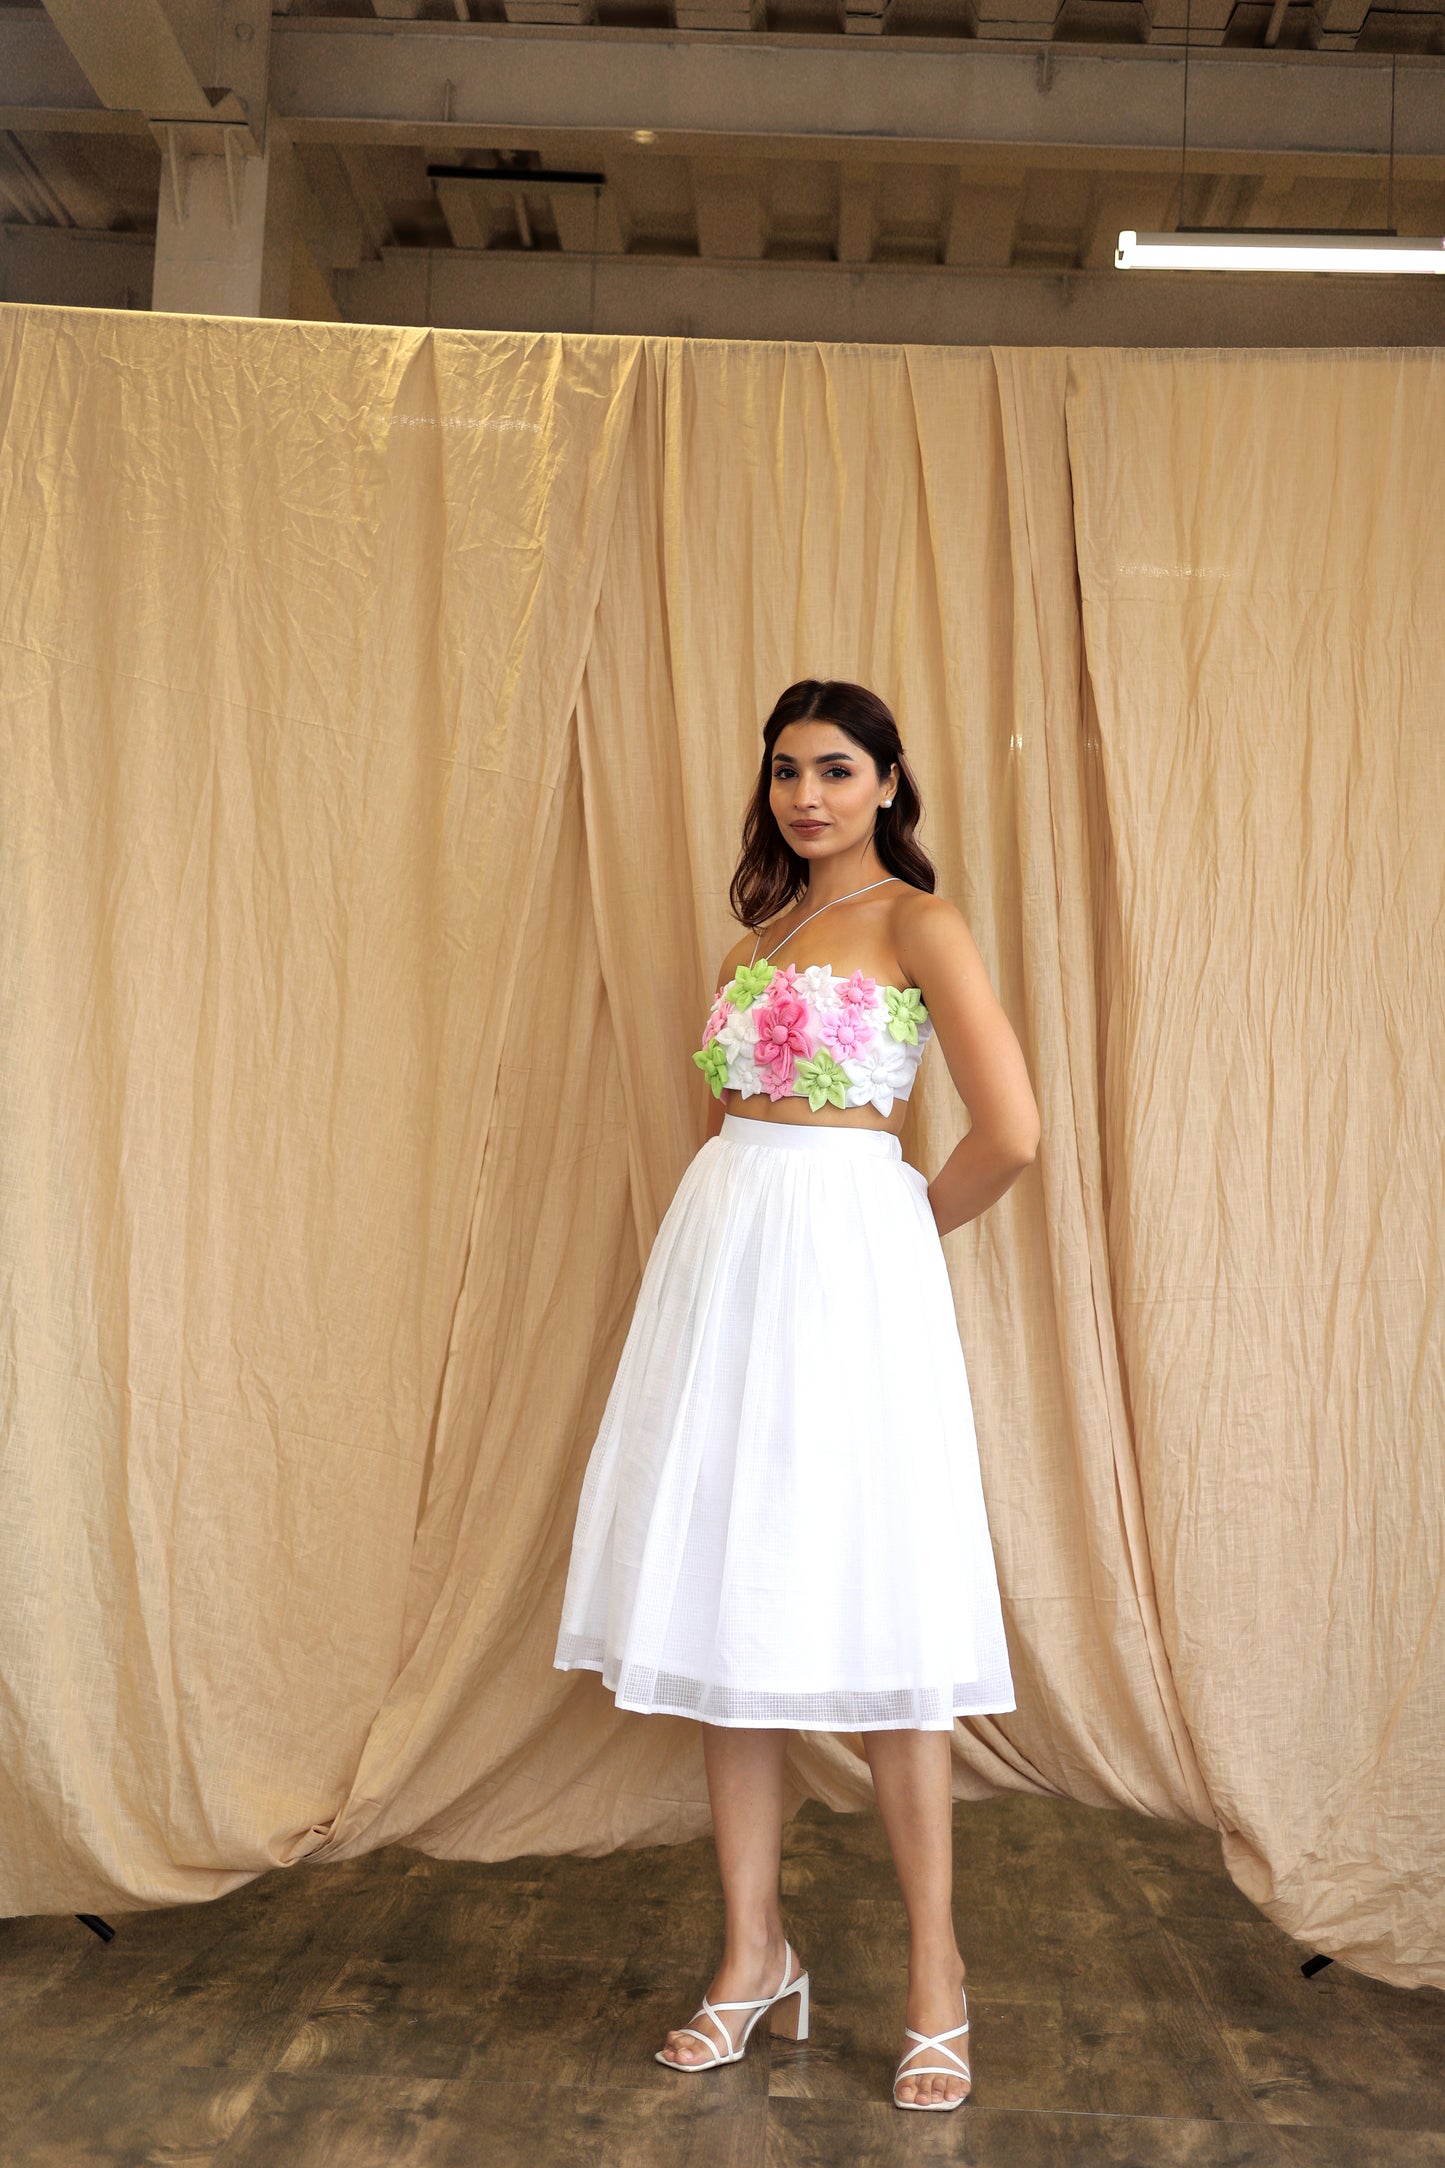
[(379, 711), (1124, 1740), (293, 618), (1261, 554)]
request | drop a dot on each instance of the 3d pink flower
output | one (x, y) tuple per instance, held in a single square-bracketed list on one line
[(857, 991), (783, 1035), (721, 1011), (846, 1031)]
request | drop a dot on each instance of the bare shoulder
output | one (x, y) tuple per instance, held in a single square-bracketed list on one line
[(933, 940), (984, 1057), (737, 955)]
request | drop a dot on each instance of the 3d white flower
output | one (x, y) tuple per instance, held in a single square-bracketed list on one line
[(738, 1036), (881, 1070)]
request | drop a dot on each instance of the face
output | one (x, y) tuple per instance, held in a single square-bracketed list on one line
[(825, 791)]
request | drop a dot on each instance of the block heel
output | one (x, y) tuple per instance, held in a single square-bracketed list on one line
[(788, 2015)]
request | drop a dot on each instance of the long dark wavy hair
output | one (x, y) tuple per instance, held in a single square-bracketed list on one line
[(770, 873)]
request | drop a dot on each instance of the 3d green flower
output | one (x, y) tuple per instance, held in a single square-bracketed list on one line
[(750, 980), (905, 1012), (712, 1059), (822, 1079)]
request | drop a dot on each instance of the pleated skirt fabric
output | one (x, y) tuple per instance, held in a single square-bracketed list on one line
[(782, 1523)]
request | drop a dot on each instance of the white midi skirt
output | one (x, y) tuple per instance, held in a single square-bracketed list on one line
[(781, 1522)]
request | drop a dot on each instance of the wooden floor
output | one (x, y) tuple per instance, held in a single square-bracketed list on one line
[(1129, 2008)]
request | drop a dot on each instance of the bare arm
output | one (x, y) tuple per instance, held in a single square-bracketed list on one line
[(984, 1060)]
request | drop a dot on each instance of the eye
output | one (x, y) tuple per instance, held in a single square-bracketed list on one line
[(841, 770)]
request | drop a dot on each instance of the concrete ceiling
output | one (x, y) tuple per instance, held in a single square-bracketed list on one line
[(786, 169)]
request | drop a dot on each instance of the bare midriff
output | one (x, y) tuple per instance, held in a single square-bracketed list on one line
[(758, 1107)]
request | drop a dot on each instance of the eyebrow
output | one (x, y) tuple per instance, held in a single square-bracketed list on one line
[(821, 757)]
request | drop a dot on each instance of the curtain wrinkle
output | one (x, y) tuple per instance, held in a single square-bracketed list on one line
[(379, 711), (637, 837), (562, 705), (428, 492), (1051, 666), (432, 1585)]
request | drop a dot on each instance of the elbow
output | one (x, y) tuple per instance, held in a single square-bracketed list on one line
[(1023, 1149)]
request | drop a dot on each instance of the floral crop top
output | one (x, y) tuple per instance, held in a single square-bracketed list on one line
[(805, 1034)]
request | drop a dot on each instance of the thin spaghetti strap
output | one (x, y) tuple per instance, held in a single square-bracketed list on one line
[(787, 937), (757, 937)]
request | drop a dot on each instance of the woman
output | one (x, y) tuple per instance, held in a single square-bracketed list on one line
[(781, 1525)]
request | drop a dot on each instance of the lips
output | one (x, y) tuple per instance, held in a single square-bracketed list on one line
[(809, 828)]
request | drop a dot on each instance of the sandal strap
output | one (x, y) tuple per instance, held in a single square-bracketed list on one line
[(933, 2040), (710, 2010), (755, 2002), (692, 2033), (928, 2069), (759, 2002)]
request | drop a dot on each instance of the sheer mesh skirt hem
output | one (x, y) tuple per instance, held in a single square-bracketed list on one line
[(782, 1521), (903, 1708)]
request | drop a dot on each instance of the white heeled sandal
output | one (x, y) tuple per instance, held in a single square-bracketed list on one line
[(788, 2024), (934, 2070)]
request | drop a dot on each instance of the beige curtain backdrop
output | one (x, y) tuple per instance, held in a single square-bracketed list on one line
[(378, 712)]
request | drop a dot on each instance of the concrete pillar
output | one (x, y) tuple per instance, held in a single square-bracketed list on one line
[(211, 227)]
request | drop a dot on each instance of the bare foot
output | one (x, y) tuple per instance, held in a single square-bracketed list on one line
[(741, 1979), (935, 2005)]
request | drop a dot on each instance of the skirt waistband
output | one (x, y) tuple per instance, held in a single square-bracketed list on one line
[(798, 1137)]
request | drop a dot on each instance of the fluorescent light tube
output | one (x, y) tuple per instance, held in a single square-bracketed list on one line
[(1276, 252)]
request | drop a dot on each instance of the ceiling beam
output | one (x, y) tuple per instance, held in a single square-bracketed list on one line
[(198, 62), (1341, 22), (43, 85), (730, 208), (687, 14), (980, 223), (657, 296), (443, 86), (132, 57), (519, 289), (857, 231), (60, 267), (787, 94)]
